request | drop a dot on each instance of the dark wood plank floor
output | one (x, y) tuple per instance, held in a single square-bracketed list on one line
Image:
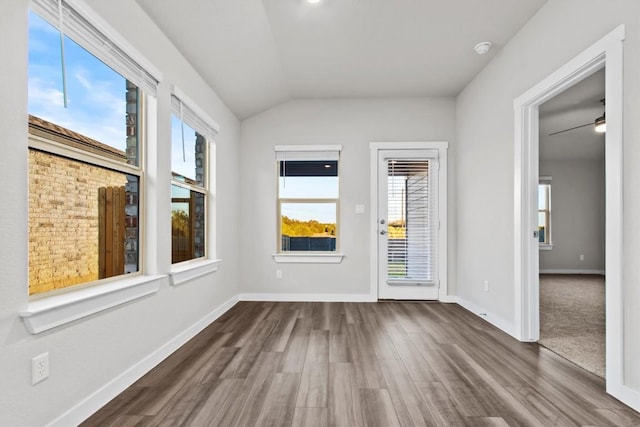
[(362, 364)]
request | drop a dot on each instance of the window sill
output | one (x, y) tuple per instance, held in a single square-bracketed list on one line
[(312, 258), (189, 270), (546, 247), (48, 313)]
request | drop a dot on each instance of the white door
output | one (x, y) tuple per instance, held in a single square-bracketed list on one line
[(407, 228)]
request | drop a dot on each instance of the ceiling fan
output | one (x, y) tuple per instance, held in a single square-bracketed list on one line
[(600, 124)]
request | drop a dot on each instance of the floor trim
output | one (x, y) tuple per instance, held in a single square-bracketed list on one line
[(570, 271), (307, 297), (496, 320), (88, 406)]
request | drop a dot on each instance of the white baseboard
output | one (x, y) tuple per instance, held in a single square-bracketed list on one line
[(569, 271), (88, 406), (497, 321), (308, 297), (449, 299), (625, 394)]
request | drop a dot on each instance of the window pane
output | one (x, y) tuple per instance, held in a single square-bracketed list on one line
[(188, 151), (308, 180), (187, 224), (83, 218), (102, 105), (83, 222), (543, 196), (308, 226), (542, 227)]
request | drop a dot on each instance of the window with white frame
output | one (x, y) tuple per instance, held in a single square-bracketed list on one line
[(85, 103), (544, 211), (191, 134), (308, 198)]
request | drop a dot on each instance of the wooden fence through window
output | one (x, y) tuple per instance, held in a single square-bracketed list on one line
[(111, 231)]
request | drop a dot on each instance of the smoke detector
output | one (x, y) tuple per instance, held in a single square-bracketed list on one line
[(482, 48)]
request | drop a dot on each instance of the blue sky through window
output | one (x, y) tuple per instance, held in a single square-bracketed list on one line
[(309, 187), (95, 93), (183, 163)]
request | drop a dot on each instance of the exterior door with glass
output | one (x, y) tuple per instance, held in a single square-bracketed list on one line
[(408, 222)]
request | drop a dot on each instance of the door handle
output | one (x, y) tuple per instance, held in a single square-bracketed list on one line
[(383, 232), (382, 221)]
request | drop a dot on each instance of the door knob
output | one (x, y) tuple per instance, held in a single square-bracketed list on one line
[(383, 232)]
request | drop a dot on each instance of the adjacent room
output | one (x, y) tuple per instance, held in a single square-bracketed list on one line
[(571, 211), (320, 212)]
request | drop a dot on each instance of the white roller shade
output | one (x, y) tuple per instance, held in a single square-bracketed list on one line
[(186, 110), (307, 152), (82, 26)]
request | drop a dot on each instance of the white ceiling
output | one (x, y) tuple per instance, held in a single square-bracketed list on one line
[(578, 105), (258, 53)]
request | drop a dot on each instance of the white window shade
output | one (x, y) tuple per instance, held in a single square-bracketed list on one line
[(187, 112), (100, 42), (307, 152)]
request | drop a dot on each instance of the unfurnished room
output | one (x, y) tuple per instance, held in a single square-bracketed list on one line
[(320, 213)]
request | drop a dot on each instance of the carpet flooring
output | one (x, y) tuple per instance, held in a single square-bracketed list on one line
[(572, 319)]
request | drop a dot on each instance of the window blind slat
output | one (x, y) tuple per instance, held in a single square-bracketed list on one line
[(412, 243), (83, 32)]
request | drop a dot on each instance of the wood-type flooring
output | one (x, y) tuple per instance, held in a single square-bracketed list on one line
[(362, 364)]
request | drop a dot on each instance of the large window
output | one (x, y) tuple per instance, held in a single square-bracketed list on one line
[(544, 212), (190, 134), (308, 201), (84, 152)]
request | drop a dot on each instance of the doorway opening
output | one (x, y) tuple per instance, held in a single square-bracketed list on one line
[(571, 224), (605, 53)]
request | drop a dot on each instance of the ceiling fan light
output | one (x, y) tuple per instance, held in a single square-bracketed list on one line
[(601, 124)]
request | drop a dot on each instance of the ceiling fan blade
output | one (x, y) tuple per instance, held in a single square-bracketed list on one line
[(567, 130)]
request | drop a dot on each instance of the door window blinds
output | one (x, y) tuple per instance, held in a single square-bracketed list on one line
[(412, 238), (98, 41)]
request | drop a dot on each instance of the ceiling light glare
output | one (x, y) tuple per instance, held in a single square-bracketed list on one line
[(482, 48), (601, 124), (313, 1)]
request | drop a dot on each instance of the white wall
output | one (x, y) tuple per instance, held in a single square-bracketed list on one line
[(89, 353), (485, 163), (577, 215), (352, 123)]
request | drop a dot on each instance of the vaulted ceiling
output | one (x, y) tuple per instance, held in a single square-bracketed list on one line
[(258, 53)]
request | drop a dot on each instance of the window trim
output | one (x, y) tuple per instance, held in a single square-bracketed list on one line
[(302, 153), (51, 311), (194, 117)]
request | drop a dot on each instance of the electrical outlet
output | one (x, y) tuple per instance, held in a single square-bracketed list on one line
[(486, 286), (39, 368), (278, 274), (581, 257)]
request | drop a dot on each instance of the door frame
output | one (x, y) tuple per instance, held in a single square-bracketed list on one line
[(441, 147), (605, 53)]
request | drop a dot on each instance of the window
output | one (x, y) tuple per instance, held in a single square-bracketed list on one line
[(308, 201), (189, 181), (544, 211), (84, 152)]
